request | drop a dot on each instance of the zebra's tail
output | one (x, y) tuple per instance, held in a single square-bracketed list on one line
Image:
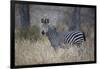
[(84, 36)]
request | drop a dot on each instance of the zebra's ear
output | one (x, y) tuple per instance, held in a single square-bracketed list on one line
[(42, 20), (46, 21)]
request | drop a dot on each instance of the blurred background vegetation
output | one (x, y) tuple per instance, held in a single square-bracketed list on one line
[(24, 33)]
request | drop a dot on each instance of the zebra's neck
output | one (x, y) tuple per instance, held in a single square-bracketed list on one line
[(52, 33)]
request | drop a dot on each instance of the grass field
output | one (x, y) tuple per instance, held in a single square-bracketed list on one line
[(28, 52)]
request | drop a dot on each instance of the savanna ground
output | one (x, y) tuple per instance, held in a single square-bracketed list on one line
[(33, 48)]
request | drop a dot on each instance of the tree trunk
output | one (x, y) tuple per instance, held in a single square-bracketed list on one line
[(75, 21), (24, 15)]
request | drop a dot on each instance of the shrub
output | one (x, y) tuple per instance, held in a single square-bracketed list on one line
[(31, 33)]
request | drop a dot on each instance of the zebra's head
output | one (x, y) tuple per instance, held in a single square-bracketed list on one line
[(46, 26)]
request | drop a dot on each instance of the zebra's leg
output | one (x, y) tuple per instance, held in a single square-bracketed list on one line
[(69, 46), (78, 45), (62, 45), (81, 50), (65, 46), (55, 46)]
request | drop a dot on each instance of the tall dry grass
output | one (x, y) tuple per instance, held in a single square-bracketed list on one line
[(41, 52), (36, 49)]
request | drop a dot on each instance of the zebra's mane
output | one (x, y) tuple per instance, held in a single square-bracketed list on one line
[(52, 29)]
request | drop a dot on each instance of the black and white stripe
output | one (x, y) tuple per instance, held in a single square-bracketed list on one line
[(74, 38)]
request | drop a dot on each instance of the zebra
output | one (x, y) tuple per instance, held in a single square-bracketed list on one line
[(58, 38)]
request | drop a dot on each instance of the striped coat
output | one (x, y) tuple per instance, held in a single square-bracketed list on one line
[(72, 38)]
